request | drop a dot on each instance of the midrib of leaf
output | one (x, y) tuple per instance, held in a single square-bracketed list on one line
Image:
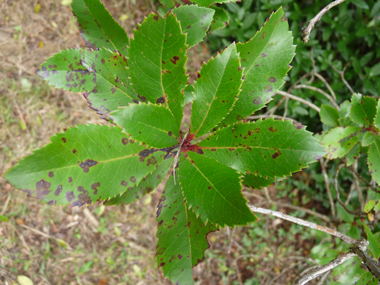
[(188, 230), (233, 206), (204, 118), (258, 56), (165, 132), (161, 74)]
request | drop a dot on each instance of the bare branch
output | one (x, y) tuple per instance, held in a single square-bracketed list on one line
[(290, 96), (372, 266), (177, 156), (319, 91), (311, 225), (269, 116), (356, 213), (327, 183), (327, 85), (306, 31), (342, 76), (325, 268)]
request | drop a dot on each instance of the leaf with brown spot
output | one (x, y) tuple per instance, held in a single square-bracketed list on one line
[(94, 173), (260, 151), (374, 159), (220, 19), (65, 70), (263, 62), (147, 185), (98, 28), (112, 83), (148, 123), (195, 21), (157, 57), (182, 237)]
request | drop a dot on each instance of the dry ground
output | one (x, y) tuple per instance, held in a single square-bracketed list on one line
[(98, 245)]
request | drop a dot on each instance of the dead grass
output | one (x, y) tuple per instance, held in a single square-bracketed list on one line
[(94, 245)]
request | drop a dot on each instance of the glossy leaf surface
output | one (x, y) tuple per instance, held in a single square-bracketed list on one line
[(339, 141), (146, 186), (112, 84), (267, 148), (367, 279), (215, 91), (265, 59), (151, 124), (64, 70), (98, 28), (182, 237), (83, 165), (195, 21), (329, 116), (209, 2), (377, 118), (368, 139), (213, 190), (374, 159), (157, 57), (363, 110)]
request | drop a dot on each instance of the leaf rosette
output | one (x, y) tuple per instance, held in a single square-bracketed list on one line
[(139, 85)]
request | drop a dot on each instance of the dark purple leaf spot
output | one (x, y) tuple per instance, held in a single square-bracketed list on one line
[(264, 55), (272, 79), (161, 100), (70, 179), (160, 222), (188, 27), (51, 174), (268, 88), (179, 256), (155, 18), (132, 179), (271, 129), (174, 59), (95, 186), (58, 190), (152, 161), (64, 140), (87, 164), (142, 98), (136, 101), (42, 188), (263, 34), (170, 133), (124, 141), (74, 150), (124, 183), (257, 100), (103, 61), (200, 151), (70, 196), (275, 155)]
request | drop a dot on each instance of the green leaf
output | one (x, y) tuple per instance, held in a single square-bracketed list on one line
[(377, 118), (367, 279), (373, 246), (146, 186), (360, 3), (368, 139), (369, 206), (113, 87), (256, 181), (83, 165), (375, 70), (209, 2), (151, 124), (339, 141), (374, 159), (64, 70), (182, 236), (353, 154), (168, 3), (157, 57), (329, 116), (98, 28), (189, 93), (195, 21), (267, 148), (347, 273), (215, 91), (213, 191), (266, 59), (363, 110), (221, 19)]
